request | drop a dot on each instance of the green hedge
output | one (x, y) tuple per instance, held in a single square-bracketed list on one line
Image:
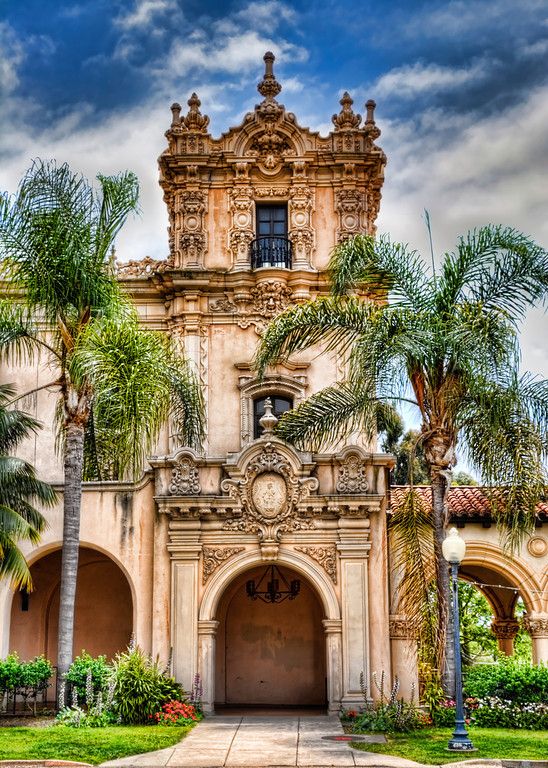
[(510, 679)]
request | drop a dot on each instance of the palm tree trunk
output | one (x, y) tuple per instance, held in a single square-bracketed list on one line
[(445, 650), (74, 456)]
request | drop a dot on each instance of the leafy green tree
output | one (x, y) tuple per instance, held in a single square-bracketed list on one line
[(20, 490), (410, 462), (115, 381), (447, 343)]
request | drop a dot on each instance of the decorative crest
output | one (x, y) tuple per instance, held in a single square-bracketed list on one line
[(269, 87), (194, 120), (346, 119)]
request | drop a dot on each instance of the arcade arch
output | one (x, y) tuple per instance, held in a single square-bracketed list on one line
[(104, 607)]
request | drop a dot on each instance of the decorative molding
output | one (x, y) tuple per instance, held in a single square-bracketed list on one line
[(537, 546), (213, 557), (268, 495), (325, 556), (185, 479), (293, 387), (505, 629), (301, 232), (352, 475)]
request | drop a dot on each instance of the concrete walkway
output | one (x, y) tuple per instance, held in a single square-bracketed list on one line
[(252, 741)]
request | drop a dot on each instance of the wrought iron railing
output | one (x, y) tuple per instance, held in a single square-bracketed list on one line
[(271, 252)]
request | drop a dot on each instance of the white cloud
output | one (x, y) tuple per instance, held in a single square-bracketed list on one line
[(414, 79), (12, 55), (145, 12)]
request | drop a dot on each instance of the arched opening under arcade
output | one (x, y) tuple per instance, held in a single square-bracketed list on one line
[(103, 612), (270, 654)]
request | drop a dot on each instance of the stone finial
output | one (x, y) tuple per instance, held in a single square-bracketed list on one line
[(268, 421), (370, 107), (176, 114), (194, 120), (269, 87), (346, 119)]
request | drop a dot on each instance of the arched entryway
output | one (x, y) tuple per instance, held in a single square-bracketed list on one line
[(104, 608), (270, 654)]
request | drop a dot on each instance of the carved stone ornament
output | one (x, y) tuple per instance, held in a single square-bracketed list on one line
[(268, 494), (350, 207), (142, 268), (401, 628), (194, 120), (325, 556), (536, 625), (352, 478), (505, 629), (270, 298), (346, 119), (185, 479), (214, 557), (537, 546)]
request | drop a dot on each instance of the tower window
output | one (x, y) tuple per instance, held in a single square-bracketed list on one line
[(279, 405), (271, 248)]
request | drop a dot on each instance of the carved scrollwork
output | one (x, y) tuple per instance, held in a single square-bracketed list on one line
[(352, 475), (325, 556), (269, 493), (185, 479), (214, 557), (141, 268)]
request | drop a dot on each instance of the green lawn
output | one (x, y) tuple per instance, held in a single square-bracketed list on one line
[(86, 745), (429, 745)]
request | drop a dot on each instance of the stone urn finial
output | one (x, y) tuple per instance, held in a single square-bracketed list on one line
[(268, 421)]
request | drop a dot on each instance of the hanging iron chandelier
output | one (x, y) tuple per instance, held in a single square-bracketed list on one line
[(272, 593)]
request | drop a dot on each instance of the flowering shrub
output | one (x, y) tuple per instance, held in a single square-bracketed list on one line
[(99, 710), (77, 675), (493, 712), (175, 713)]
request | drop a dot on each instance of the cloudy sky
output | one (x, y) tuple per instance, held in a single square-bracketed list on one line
[(461, 90)]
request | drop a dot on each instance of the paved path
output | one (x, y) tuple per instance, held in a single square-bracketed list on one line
[(253, 741)]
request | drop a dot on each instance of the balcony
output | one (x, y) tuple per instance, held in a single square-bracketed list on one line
[(271, 252)]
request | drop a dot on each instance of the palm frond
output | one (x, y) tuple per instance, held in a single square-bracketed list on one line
[(331, 415), (385, 268), (497, 266), (412, 542), (120, 195), (505, 429), (135, 376), (334, 321)]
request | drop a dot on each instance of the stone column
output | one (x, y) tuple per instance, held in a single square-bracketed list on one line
[(333, 649), (505, 630), (207, 634), (403, 642), (185, 549), (537, 626), (353, 549), (161, 599)]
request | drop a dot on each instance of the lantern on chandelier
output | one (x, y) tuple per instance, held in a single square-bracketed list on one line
[(273, 578)]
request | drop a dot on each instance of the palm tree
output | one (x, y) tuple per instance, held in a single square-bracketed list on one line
[(116, 382), (446, 342), (20, 489)]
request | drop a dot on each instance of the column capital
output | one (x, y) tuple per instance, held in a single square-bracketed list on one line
[(401, 628), (332, 626), (505, 629), (207, 627), (536, 624)]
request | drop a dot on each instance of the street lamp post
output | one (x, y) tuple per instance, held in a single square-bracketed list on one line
[(453, 548)]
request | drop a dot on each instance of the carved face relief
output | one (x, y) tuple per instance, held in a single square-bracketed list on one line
[(269, 494)]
